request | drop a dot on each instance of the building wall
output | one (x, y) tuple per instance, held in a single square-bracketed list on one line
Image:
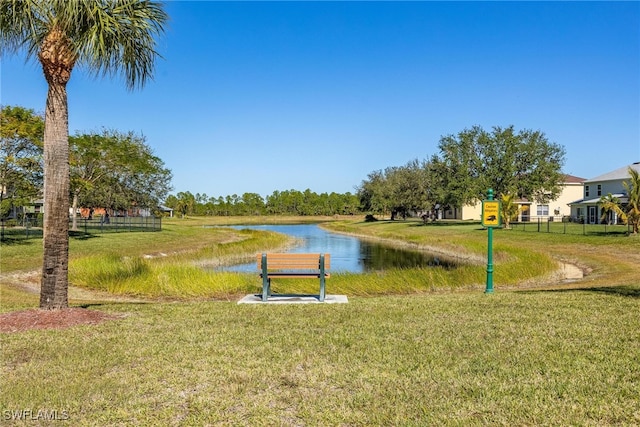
[(467, 212), (570, 193), (597, 189), (473, 212)]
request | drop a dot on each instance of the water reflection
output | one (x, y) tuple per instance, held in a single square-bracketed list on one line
[(379, 257), (348, 254)]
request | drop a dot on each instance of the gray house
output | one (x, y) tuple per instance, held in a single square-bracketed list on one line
[(587, 208)]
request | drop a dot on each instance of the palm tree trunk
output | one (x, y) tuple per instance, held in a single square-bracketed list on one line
[(55, 266)]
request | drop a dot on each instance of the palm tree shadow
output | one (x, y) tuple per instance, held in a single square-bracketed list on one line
[(103, 304)]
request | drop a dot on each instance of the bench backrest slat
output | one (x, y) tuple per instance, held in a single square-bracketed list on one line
[(281, 261)]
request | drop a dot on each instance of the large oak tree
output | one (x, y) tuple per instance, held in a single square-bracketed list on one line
[(117, 171), (108, 37), (523, 163)]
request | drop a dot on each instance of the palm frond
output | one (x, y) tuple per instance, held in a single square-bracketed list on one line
[(633, 206), (108, 37), (23, 26), (118, 37)]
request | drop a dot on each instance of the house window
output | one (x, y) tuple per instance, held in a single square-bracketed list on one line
[(599, 190), (586, 191), (543, 210)]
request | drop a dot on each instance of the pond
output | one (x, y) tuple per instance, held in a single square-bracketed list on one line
[(348, 254)]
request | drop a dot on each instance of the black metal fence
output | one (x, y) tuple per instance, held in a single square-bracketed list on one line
[(567, 225), (31, 228)]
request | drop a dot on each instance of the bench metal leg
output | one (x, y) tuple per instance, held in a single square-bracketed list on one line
[(322, 288), (266, 281), (266, 289), (322, 278)]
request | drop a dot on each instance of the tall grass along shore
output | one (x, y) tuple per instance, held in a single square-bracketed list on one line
[(412, 347)]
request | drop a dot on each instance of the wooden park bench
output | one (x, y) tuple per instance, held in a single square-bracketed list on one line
[(293, 266)]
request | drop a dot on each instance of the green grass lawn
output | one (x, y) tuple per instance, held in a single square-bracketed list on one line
[(527, 358), (563, 354)]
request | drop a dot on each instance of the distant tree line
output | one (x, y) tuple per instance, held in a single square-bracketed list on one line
[(118, 170), (289, 202), (515, 164)]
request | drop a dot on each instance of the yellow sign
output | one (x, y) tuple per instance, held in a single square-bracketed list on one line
[(491, 213)]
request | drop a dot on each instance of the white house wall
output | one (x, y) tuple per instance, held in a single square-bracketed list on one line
[(586, 207)]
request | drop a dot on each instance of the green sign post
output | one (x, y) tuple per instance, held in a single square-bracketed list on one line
[(490, 219)]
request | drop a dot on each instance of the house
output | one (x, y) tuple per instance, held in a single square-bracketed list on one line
[(530, 210), (89, 213), (29, 210), (554, 210), (586, 208)]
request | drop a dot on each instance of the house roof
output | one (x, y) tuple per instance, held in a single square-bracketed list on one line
[(621, 197), (618, 174), (570, 179)]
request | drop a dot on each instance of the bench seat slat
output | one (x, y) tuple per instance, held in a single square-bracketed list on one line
[(286, 275), (294, 261)]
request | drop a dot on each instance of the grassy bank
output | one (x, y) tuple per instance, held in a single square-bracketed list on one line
[(178, 262), (183, 236), (565, 355), (607, 260)]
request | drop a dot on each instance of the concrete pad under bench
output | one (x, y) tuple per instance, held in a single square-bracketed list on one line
[(294, 299)]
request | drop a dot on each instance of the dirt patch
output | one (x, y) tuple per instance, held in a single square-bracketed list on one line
[(29, 319), (26, 320), (570, 272)]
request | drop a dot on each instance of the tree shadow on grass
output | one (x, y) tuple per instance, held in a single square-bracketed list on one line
[(17, 239), (444, 223), (20, 241), (608, 233), (104, 304), (81, 235), (623, 290)]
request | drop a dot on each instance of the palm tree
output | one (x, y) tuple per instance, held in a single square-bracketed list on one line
[(633, 206), (611, 204), (108, 37), (509, 209)]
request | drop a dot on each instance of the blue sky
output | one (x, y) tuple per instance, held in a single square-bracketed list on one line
[(264, 96)]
